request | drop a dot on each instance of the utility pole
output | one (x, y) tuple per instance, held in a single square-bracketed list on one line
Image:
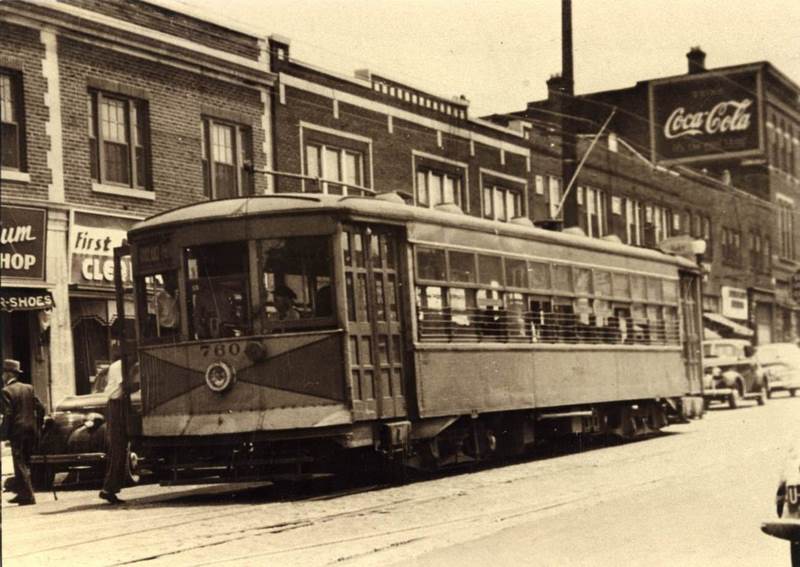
[(567, 109)]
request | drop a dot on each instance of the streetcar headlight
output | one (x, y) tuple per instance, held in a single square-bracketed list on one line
[(219, 376)]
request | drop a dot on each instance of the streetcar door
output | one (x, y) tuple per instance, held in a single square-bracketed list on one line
[(371, 270), (692, 330)]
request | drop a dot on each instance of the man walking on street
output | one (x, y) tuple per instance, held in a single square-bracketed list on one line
[(116, 434), (22, 414)]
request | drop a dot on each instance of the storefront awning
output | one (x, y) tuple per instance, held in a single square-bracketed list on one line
[(709, 334), (733, 327), (25, 299)]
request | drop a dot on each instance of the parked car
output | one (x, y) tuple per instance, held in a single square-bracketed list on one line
[(74, 437), (787, 499), (731, 372), (781, 363)]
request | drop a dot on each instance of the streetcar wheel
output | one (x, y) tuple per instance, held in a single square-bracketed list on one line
[(42, 477), (735, 397)]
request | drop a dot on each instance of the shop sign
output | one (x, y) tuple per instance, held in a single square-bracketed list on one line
[(705, 116), (734, 302), (92, 255), (23, 242), (12, 299)]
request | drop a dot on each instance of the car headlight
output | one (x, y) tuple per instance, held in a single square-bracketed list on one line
[(93, 420), (716, 371)]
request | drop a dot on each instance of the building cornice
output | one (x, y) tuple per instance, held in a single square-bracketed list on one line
[(93, 28)]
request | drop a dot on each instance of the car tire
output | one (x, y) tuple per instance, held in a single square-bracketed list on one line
[(132, 471), (795, 553), (793, 392), (735, 397), (42, 477)]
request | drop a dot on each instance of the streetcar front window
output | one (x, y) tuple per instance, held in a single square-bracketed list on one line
[(217, 290), (296, 282)]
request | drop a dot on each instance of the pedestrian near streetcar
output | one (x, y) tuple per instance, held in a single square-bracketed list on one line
[(23, 414), (116, 433)]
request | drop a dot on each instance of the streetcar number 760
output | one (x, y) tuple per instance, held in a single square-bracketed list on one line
[(221, 349)]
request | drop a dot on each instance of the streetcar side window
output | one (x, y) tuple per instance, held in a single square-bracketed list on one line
[(217, 290), (498, 298)]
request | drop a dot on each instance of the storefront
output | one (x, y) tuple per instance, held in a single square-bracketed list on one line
[(92, 303), (763, 314), (26, 301)]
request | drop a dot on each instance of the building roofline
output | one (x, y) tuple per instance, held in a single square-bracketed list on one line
[(204, 15)]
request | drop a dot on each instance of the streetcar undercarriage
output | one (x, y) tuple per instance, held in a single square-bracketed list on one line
[(425, 445)]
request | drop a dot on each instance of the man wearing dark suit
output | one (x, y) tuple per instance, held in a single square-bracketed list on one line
[(22, 412)]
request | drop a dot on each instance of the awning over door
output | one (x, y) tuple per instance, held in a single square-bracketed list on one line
[(25, 299), (726, 327)]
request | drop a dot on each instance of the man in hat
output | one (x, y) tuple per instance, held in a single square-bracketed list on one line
[(22, 412)]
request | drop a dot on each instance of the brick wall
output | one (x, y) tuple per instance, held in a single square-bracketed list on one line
[(176, 101), (22, 52)]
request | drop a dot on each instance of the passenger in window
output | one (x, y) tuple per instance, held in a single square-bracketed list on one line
[(168, 316), (284, 303)]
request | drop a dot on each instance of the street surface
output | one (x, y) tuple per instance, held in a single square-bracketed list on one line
[(693, 496)]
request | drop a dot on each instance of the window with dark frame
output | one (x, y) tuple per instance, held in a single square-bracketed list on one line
[(435, 187), (227, 157), (340, 169), (12, 129), (119, 140), (502, 203)]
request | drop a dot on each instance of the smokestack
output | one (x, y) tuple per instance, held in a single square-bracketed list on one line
[(567, 109), (567, 73), (697, 60)]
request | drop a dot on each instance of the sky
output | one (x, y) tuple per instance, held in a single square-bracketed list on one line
[(499, 53)]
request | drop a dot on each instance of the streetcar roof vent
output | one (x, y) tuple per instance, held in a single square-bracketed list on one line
[(522, 221), (612, 238), (391, 197), (449, 208), (575, 231)]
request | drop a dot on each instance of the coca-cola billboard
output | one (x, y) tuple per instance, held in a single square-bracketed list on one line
[(707, 116)]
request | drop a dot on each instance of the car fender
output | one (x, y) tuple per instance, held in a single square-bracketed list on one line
[(729, 378)]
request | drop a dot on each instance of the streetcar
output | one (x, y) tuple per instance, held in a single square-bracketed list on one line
[(285, 333)]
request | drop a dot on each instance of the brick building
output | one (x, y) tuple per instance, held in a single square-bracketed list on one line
[(725, 142), (110, 112)]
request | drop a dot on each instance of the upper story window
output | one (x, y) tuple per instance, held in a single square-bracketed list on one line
[(786, 227), (554, 196), (596, 212), (12, 143), (633, 222), (731, 246), (339, 169), (501, 203), (436, 187), (227, 159), (119, 140)]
